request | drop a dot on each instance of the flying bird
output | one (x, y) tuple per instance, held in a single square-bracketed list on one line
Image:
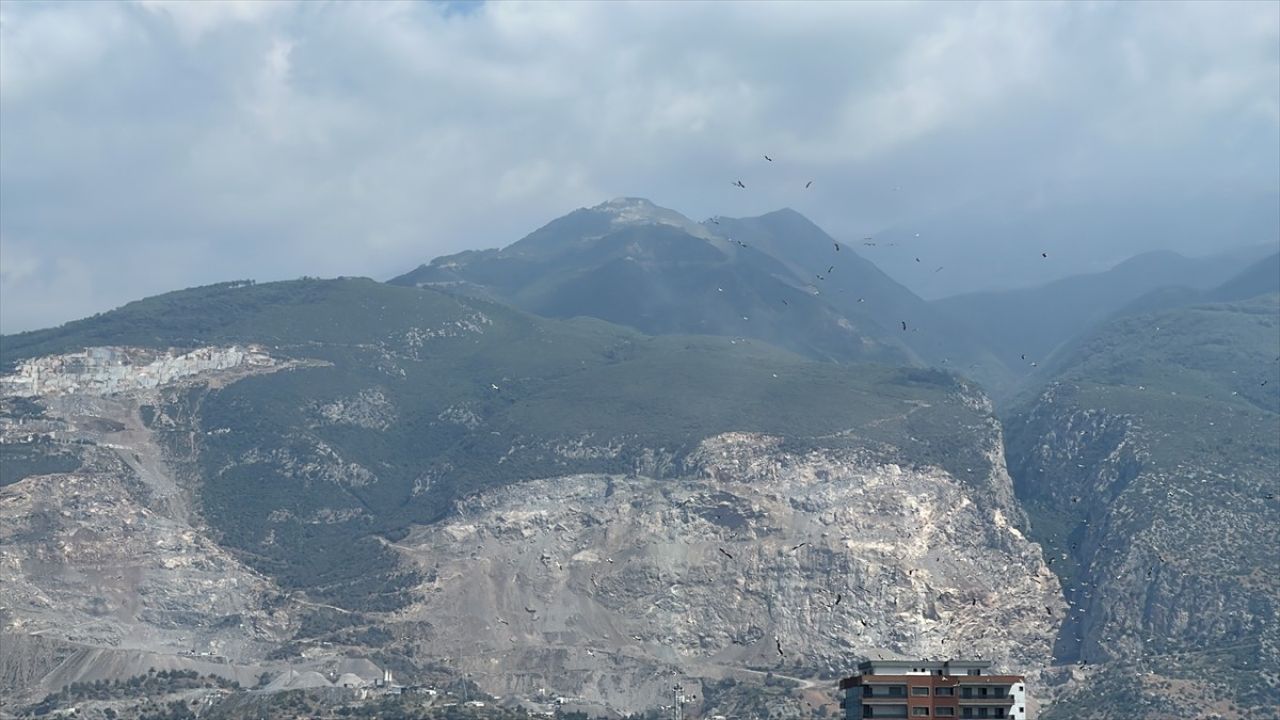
[(797, 547), (904, 325), (725, 553), (778, 642), (739, 184), (837, 247), (766, 157), (1044, 255), (806, 185)]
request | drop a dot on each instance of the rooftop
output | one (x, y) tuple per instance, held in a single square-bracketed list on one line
[(891, 667)]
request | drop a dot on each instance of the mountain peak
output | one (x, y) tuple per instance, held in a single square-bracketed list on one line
[(641, 211)]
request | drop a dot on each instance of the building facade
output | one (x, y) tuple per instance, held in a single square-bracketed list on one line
[(926, 689)]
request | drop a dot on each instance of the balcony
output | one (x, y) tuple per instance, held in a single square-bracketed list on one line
[(1001, 700)]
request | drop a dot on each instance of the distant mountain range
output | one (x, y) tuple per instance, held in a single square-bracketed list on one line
[(1026, 326)]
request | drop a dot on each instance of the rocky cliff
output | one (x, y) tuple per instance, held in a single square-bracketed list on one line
[(1149, 469), (757, 558)]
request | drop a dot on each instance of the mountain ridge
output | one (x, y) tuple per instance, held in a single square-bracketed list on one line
[(777, 277)]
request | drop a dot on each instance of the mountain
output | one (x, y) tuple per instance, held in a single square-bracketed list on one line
[(777, 278), (1027, 325), (1148, 462), (296, 481)]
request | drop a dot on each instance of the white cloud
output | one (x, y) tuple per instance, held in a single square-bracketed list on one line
[(274, 139), (194, 19)]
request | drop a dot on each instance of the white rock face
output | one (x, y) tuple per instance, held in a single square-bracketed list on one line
[(111, 556), (83, 560), (102, 371), (598, 587)]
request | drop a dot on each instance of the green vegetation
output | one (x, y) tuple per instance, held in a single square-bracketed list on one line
[(40, 456), (153, 684)]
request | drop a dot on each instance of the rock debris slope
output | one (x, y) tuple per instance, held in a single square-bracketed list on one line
[(600, 587)]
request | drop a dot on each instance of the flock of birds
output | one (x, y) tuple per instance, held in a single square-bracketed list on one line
[(868, 241)]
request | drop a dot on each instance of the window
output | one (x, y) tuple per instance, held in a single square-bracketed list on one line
[(999, 712), (920, 712), (975, 672), (966, 692), (945, 712), (944, 691), (918, 690), (982, 692), (968, 712)]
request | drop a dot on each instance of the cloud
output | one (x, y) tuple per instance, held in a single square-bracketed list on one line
[(162, 144)]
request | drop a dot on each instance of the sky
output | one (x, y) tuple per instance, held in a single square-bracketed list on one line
[(150, 146)]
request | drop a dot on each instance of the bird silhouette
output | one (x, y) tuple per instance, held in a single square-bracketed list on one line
[(739, 184), (806, 185), (766, 157)]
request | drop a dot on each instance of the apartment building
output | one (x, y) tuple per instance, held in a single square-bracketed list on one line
[(928, 689)]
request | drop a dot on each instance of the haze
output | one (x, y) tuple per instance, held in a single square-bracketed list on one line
[(150, 146)]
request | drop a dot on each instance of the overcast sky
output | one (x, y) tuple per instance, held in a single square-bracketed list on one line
[(151, 146)]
